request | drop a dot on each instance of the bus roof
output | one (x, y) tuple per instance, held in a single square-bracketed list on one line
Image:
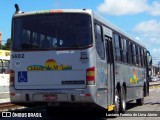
[(96, 16), (53, 11)]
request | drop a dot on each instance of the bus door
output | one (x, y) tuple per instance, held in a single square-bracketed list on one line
[(148, 71), (109, 58)]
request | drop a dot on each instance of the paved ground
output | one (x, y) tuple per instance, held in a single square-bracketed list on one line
[(151, 105), (4, 98)]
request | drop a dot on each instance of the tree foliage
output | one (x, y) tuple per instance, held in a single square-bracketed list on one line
[(7, 45)]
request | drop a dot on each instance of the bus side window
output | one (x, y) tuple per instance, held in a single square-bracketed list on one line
[(138, 56), (125, 57), (142, 57), (99, 41), (134, 53), (117, 47), (129, 53)]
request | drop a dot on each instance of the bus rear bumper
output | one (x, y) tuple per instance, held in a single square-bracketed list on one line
[(48, 97)]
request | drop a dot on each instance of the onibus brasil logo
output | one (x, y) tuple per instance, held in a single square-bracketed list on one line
[(49, 65)]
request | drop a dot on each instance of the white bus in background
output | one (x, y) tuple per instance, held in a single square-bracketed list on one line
[(69, 58), (4, 71)]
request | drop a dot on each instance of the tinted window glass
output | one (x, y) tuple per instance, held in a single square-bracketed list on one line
[(129, 53), (134, 53), (116, 40), (124, 51), (52, 31), (117, 47), (99, 41)]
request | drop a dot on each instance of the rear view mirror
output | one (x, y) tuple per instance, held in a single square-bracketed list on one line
[(149, 59)]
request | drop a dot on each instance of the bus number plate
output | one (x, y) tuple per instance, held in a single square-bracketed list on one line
[(49, 97)]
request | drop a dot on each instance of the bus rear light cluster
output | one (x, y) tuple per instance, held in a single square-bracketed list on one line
[(90, 76), (12, 77), (12, 94)]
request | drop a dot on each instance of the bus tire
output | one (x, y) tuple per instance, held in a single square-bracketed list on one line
[(140, 101), (145, 89), (117, 102), (123, 101)]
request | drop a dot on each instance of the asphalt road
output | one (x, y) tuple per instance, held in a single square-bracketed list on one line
[(152, 103)]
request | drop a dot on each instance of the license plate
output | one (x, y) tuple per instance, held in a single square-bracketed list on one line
[(49, 97)]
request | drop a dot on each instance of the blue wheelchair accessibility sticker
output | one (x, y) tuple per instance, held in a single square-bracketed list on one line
[(22, 76)]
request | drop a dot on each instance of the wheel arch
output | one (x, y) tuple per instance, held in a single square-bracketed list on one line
[(125, 87)]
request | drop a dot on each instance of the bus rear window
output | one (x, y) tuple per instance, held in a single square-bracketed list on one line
[(51, 31)]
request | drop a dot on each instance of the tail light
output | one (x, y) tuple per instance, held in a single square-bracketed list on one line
[(12, 77), (90, 76)]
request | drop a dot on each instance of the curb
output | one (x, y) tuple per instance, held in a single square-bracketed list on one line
[(154, 86)]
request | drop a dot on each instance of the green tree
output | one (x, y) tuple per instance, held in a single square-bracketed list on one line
[(7, 45)]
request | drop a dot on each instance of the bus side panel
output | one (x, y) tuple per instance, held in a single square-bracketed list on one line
[(101, 82), (133, 78)]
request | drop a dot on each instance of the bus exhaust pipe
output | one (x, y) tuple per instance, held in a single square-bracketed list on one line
[(17, 9)]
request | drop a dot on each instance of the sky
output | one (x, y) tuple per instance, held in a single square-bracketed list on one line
[(139, 18)]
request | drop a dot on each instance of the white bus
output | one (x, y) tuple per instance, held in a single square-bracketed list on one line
[(4, 71), (75, 58)]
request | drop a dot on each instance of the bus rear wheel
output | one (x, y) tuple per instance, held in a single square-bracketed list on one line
[(117, 102), (123, 101), (140, 101)]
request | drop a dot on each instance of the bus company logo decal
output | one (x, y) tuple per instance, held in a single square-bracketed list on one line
[(49, 65), (134, 77)]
